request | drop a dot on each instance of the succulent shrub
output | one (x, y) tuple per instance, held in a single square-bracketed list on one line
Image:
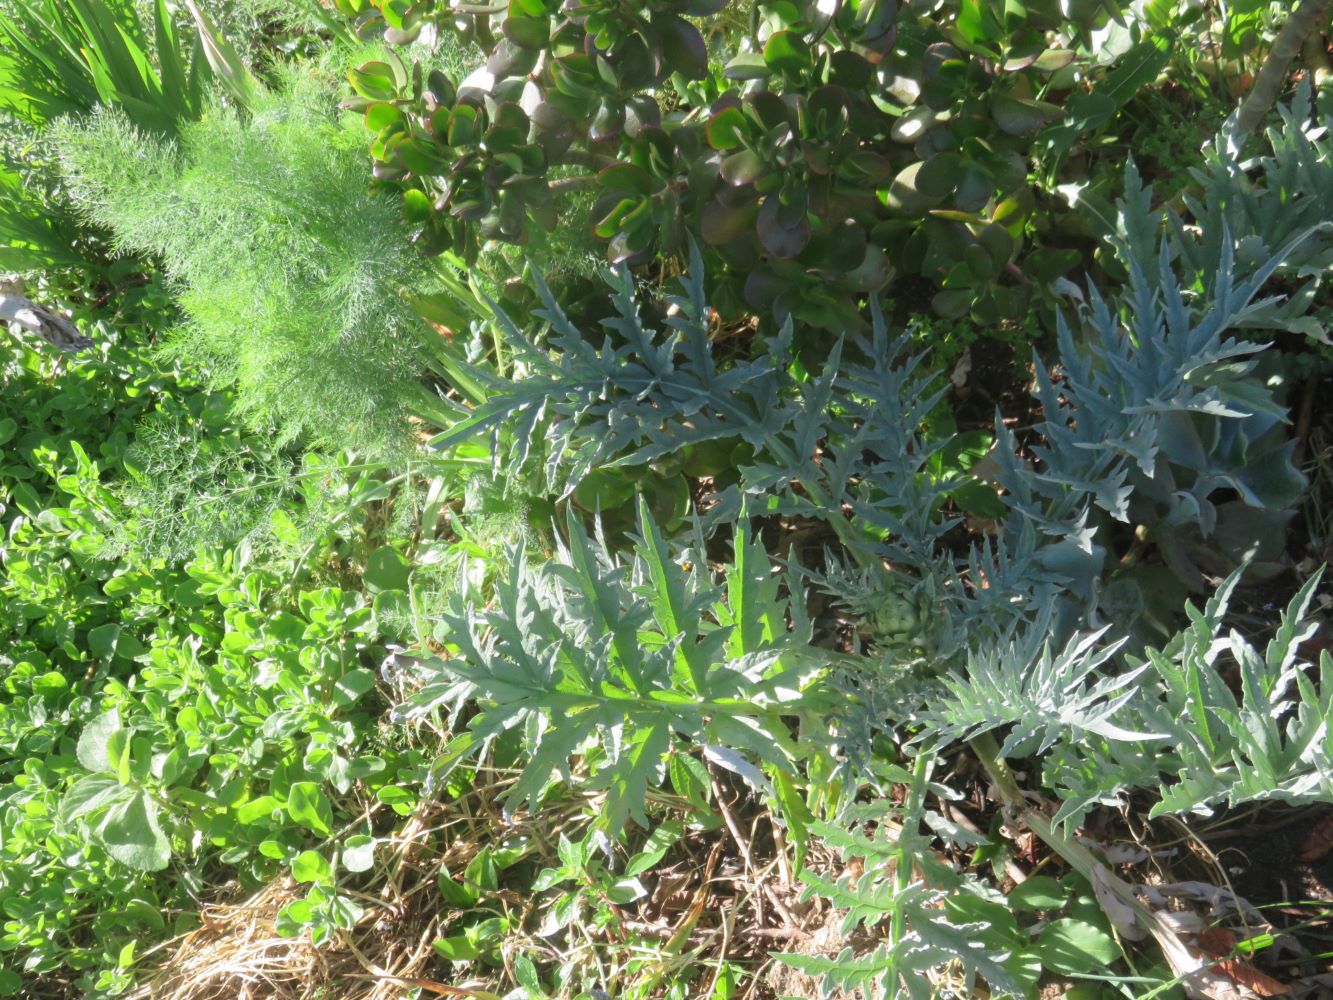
[(815, 151)]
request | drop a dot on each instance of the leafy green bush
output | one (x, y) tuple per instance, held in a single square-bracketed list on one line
[(1156, 430), (1153, 418), (1265, 204), (198, 583), (68, 57), (290, 271), (1170, 725)]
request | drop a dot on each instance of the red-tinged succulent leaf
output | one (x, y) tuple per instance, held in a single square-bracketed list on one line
[(509, 60), (622, 216), (973, 189), (609, 121), (682, 45), (742, 167), (1021, 117), (382, 115), (780, 234), (575, 75), (418, 157), (441, 88), (641, 112), (402, 36), (720, 224), (627, 177), (1319, 841), (374, 80), (850, 69), (787, 52), (767, 110), (939, 175), (902, 196)]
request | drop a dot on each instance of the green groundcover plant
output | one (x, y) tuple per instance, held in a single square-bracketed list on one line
[(158, 715)]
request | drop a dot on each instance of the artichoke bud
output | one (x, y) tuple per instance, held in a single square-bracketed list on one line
[(898, 615)]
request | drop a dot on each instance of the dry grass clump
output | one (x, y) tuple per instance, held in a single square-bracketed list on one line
[(720, 896), (238, 954)]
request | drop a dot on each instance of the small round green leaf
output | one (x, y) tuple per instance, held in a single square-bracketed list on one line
[(727, 129), (787, 52), (131, 834), (382, 115), (386, 570), (94, 742), (1021, 117), (311, 866), (528, 32), (307, 805), (747, 66), (359, 853), (682, 45), (374, 80)]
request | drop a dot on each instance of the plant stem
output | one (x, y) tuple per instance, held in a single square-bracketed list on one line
[(1115, 896), (1268, 84), (902, 874), (571, 183)]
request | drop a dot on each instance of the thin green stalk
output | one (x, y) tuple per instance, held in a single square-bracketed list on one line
[(904, 870), (1111, 891)]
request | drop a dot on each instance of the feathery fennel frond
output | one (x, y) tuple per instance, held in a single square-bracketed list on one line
[(289, 268)]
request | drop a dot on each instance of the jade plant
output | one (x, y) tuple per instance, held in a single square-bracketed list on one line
[(817, 151)]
